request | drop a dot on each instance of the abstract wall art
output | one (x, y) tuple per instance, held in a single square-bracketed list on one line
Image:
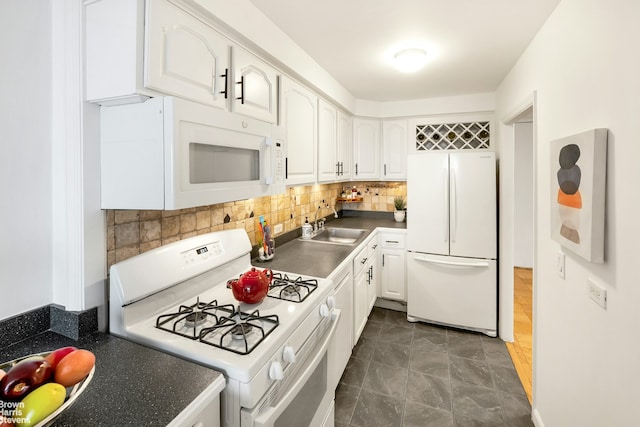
[(578, 178)]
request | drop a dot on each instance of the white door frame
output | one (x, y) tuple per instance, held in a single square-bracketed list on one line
[(507, 223)]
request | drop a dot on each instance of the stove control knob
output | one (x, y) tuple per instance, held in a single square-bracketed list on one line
[(288, 354), (275, 371), (324, 310), (331, 302)]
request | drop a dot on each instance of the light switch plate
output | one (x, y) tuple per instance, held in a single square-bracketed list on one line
[(597, 293), (561, 265)]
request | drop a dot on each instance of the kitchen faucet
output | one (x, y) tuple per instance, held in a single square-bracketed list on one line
[(315, 220)]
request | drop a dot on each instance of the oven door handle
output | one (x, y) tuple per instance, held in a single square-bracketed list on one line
[(264, 415)]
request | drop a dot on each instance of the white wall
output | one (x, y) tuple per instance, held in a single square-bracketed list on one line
[(473, 103), (25, 152), (523, 197), (584, 71)]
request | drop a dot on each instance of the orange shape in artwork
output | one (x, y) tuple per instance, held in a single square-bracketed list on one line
[(570, 200)]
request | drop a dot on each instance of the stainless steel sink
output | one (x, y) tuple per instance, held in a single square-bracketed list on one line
[(338, 236)]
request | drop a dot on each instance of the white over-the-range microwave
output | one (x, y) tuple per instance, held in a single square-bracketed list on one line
[(169, 153)]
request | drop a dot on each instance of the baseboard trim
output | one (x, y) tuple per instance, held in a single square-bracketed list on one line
[(536, 418)]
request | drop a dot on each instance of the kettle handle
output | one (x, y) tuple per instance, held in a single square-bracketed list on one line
[(269, 275)]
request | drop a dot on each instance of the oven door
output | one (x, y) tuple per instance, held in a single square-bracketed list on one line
[(305, 397)]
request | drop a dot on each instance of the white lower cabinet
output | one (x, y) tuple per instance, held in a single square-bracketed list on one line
[(342, 341), (393, 278), (372, 267), (365, 282), (360, 293)]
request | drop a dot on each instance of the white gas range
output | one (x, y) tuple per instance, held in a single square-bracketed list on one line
[(274, 354)]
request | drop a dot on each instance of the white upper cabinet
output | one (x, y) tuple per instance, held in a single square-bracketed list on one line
[(185, 57), (137, 49), (394, 150), (328, 167), (254, 87), (366, 149), (298, 122), (344, 146)]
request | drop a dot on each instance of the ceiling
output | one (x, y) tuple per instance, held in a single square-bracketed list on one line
[(472, 44)]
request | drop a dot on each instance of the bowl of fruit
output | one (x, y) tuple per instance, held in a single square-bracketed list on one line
[(35, 389)]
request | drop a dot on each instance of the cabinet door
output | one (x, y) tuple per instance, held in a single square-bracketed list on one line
[(298, 122), (343, 342), (327, 139), (184, 56), (372, 266), (254, 87), (344, 149), (366, 149), (394, 150), (392, 277), (360, 300)]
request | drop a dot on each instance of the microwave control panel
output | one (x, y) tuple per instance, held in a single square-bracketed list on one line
[(278, 163)]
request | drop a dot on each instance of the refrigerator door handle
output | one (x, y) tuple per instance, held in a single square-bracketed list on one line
[(453, 263), (454, 207), (446, 205)]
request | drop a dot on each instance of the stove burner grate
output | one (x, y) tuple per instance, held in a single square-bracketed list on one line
[(189, 317), (295, 290), (247, 330)]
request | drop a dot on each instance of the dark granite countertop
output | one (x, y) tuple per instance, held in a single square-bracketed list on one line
[(132, 384), (320, 260)]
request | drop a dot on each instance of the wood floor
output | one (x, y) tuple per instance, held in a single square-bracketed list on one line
[(520, 349)]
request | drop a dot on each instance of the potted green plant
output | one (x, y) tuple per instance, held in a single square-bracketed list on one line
[(400, 205)]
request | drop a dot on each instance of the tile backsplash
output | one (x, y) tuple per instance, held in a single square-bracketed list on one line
[(131, 232)]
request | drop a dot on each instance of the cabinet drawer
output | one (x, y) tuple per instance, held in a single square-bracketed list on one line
[(360, 260), (392, 240), (371, 247)]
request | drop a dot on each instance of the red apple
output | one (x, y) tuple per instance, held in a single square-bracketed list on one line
[(57, 355)]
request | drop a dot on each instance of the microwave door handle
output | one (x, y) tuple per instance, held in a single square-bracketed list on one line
[(226, 78), (241, 83)]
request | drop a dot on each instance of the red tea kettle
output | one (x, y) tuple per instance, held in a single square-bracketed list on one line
[(252, 286)]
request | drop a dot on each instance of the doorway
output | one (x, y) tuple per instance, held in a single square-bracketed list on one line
[(521, 348)]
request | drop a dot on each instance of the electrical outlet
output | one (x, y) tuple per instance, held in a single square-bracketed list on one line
[(597, 293), (277, 229), (561, 265)]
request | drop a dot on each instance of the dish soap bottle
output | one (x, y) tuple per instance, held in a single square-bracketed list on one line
[(307, 229)]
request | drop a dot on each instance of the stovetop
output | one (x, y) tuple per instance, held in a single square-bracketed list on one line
[(220, 325), (155, 294)]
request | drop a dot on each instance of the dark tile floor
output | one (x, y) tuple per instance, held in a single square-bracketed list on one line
[(406, 374)]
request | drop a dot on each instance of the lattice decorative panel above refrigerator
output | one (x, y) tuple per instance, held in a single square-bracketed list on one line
[(453, 136)]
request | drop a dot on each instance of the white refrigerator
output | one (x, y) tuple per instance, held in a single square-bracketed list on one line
[(452, 240)]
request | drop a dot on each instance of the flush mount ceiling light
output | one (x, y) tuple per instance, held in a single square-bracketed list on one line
[(410, 60)]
